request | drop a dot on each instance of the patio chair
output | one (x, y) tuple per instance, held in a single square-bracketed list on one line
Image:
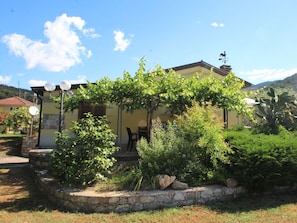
[(133, 137)]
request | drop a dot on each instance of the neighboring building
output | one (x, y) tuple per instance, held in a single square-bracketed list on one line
[(9, 104), (118, 120)]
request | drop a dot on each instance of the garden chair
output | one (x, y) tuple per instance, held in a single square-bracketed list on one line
[(133, 137)]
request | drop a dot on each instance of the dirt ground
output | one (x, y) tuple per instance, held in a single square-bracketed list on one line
[(17, 189), (10, 146)]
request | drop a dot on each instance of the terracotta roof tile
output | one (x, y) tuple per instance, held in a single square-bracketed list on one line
[(16, 101)]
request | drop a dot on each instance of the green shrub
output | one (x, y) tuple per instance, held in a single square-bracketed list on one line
[(84, 156), (261, 161), (158, 156), (190, 149), (18, 119), (201, 134)]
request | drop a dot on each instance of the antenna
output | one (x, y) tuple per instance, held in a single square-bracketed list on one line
[(19, 89), (223, 57)]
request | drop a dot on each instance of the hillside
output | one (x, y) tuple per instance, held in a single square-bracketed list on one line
[(288, 84), (260, 85), (9, 91)]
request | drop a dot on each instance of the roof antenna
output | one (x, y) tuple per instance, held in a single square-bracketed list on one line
[(223, 57)]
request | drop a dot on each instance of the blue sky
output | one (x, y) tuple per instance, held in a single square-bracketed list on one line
[(80, 40)]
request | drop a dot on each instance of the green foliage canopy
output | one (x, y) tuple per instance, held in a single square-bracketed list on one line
[(151, 89)]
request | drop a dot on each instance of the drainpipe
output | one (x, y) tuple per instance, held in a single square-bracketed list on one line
[(40, 116)]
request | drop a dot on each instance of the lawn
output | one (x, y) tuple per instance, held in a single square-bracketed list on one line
[(20, 201)]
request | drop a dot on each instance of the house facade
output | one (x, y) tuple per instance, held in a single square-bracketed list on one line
[(118, 120), (8, 104)]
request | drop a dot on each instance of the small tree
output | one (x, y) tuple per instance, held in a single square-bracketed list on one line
[(84, 156), (18, 119)]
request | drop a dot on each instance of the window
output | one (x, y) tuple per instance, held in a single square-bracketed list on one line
[(97, 110)]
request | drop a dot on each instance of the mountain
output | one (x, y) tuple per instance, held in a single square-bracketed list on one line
[(288, 84), (260, 85), (9, 91)]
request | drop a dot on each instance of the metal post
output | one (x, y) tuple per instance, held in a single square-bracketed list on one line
[(61, 115)]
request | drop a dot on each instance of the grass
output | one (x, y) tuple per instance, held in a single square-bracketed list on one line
[(20, 201), (5, 136), (125, 177), (116, 180)]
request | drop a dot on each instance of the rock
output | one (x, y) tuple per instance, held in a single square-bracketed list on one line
[(230, 182), (164, 181), (177, 185)]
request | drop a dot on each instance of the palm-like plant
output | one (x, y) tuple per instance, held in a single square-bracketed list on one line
[(278, 109)]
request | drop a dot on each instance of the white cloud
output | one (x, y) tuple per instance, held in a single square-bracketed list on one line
[(121, 43), (63, 49), (136, 59), (4, 79), (261, 75), (79, 80), (215, 24), (36, 83), (39, 83), (90, 33), (20, 74)]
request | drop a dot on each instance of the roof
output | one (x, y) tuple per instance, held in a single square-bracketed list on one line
[(200, 64), (223, 70), (15, 101)]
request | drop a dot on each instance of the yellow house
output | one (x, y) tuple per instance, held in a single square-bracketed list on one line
[(118, 120), (8, 104)]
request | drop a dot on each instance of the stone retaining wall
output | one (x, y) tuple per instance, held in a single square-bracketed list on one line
[(28, 143), (127, 201), (39, 158)]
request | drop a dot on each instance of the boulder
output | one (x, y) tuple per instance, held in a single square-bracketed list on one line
[(177, 185), (164, 181), (230, 182)]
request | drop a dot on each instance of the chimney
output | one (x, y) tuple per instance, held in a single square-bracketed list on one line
[(226, 68)]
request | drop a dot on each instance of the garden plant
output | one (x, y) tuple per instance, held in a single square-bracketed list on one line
[(190, 148), (18, 119), (84, 156)]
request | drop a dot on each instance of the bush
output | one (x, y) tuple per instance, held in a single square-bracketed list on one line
[(84, 156), (190, 149), (159, 155), (18, 119), (261, 161)]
